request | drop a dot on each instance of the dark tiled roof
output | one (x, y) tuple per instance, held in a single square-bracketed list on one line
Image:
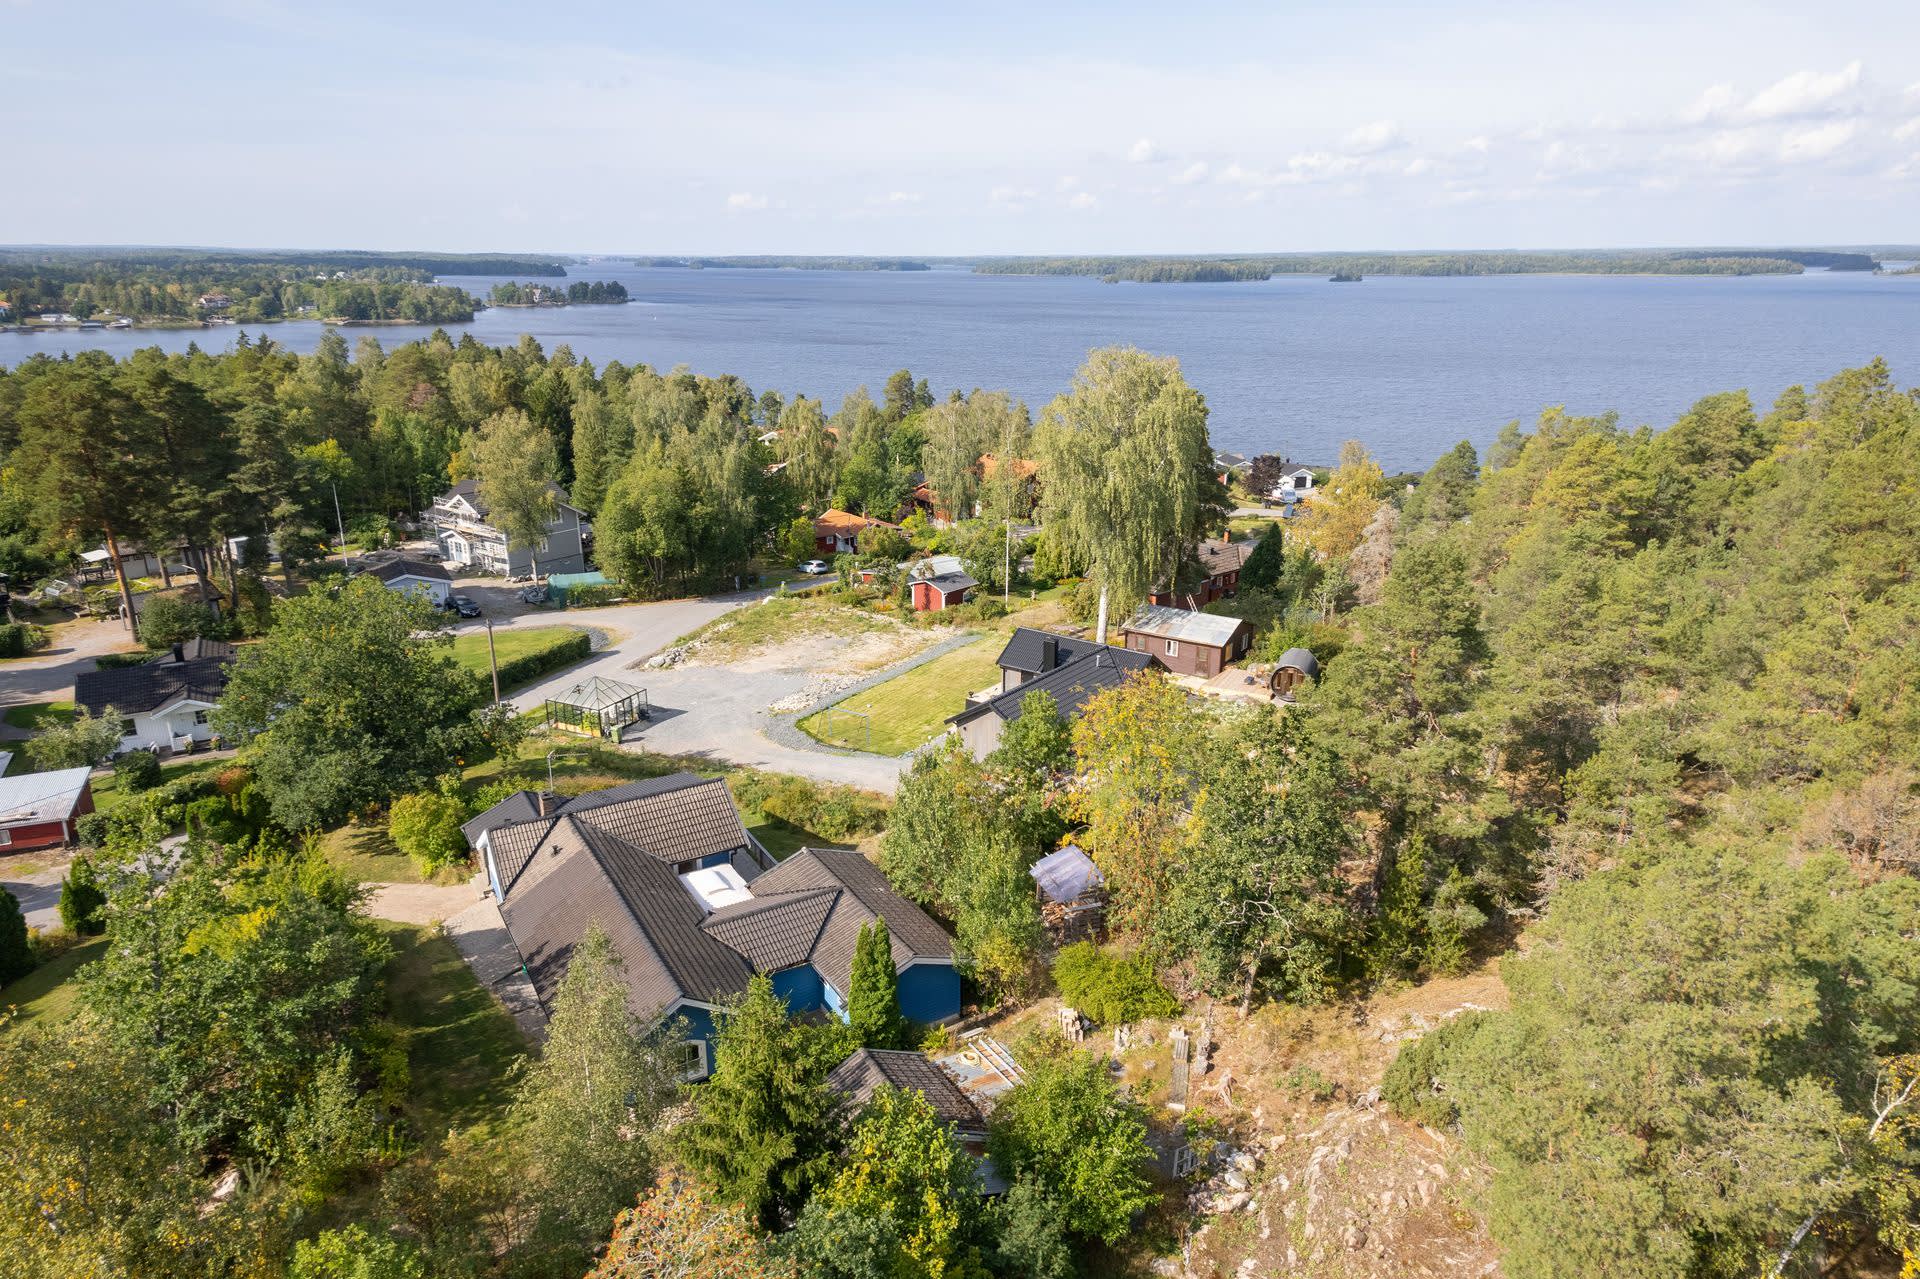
[(867, 896), (521, 806), (1070, 685), (777, 931), (200, 647), (133, 690), (392, 569), (1022, 652), (948, 583), (578, 876), (677, 818), (860, 1075), (1216, 559)]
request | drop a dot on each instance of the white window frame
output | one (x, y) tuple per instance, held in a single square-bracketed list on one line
[(1173, 648), (6, 837), (200, 717), (543, 546), (699, 1070)]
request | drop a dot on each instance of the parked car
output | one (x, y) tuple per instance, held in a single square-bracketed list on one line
[(816, 568), (535, 594), (464, 605)]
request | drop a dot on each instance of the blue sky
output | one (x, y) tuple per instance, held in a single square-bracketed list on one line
[(785, 128)]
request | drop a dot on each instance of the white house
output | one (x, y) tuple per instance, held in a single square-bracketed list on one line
[(459, 523), (1295, 481), (166, 704), (403, 573)]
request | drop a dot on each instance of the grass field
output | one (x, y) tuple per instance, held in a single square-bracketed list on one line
[(48, 992), (470, 647), (36, 717), (911, 707), (461, 1044), (365, 854), (781, 618)]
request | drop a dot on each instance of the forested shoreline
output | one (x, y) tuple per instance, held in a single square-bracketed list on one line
[(1231, 267)]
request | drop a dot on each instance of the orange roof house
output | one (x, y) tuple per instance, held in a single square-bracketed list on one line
[(838, 531)]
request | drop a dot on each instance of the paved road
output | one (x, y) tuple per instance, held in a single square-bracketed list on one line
[(48, 675), (39, 891)]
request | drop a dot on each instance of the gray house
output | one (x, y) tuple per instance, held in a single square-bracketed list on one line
[(1070, 670), (459, 523)]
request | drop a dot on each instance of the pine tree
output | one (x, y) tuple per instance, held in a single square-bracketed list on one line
[(761, 1133), (1267, 560), (16, 952), (873, 1003)]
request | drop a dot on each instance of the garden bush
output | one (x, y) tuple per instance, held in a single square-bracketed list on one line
[(573, 647), (838, 813), (17, 639), (167, 620), (82, 902), (138, 770), (118, 661), (1110, 988), (16, 948), (1412, 1086), (426, 827)]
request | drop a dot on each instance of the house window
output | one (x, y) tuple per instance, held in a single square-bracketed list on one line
[(126, 728), (543, 546), (6, 837), (1173, 648), (200, 717), (1183, 1161), (692, 1059)]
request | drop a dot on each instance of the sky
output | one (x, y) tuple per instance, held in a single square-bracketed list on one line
[(741, 127)]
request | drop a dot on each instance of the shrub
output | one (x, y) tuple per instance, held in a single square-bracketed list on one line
[(50, 943), (573, 647), (834, 812), (1413, 1086), (94, 829), (87, 739), (82, 902), (1083, 603), (17, 639), (120, 661), (138, 770), (1308, 1082), (16, 949), (1111, 988), (352, 1252), (426, 827)]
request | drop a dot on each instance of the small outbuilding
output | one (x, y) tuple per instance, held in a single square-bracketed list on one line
[(1296, 667), (1068, 876), (939, 582), (1188, 642), (598, 707), (410, 575), (42, 810)]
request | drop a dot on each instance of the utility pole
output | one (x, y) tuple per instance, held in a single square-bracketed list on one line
[(494, 662), (1006, 567)]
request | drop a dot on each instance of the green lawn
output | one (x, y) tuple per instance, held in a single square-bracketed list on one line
[(909, 709), (367, 856), (470, 647), (461, 1044), (37, 717), (48, 993)]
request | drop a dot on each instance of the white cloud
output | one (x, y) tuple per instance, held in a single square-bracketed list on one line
[(1010, 199), (1143, 152), (1083, 200), (1911, 129), (1191, 175), (1478, 143), (1802, 92), (1712, 103), (1816, 142), (1380, 135), (1418, 165), (745, 202), (1067, 182)]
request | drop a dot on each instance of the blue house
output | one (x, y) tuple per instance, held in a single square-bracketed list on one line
[(695, 907)]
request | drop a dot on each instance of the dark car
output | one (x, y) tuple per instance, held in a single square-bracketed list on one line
[(464, 606)]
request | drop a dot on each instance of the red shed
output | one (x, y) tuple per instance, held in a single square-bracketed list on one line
[(40, 810)]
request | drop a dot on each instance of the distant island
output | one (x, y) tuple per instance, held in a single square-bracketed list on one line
[(1231, 268), (1344, 277), (172, 288), (784, 262), (578, 293)]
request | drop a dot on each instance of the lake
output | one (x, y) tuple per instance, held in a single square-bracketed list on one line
[(1294, 365)]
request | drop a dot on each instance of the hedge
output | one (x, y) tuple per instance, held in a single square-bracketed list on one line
[(116, 661), (17, 639), (528, 667)]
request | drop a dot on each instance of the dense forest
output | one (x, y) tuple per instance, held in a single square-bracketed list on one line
[(511, 293), (167, 284), (788, 262), (1159, 270)]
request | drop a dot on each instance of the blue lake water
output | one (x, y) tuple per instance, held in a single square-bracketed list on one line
[(1294, 365)]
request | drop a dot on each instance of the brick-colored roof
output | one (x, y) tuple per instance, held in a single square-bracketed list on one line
[(1216, 557), (839, 523), (859, 1076)]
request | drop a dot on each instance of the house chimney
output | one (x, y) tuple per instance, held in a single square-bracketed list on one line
[(1049, 653), (547, 803), (179, 652)]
